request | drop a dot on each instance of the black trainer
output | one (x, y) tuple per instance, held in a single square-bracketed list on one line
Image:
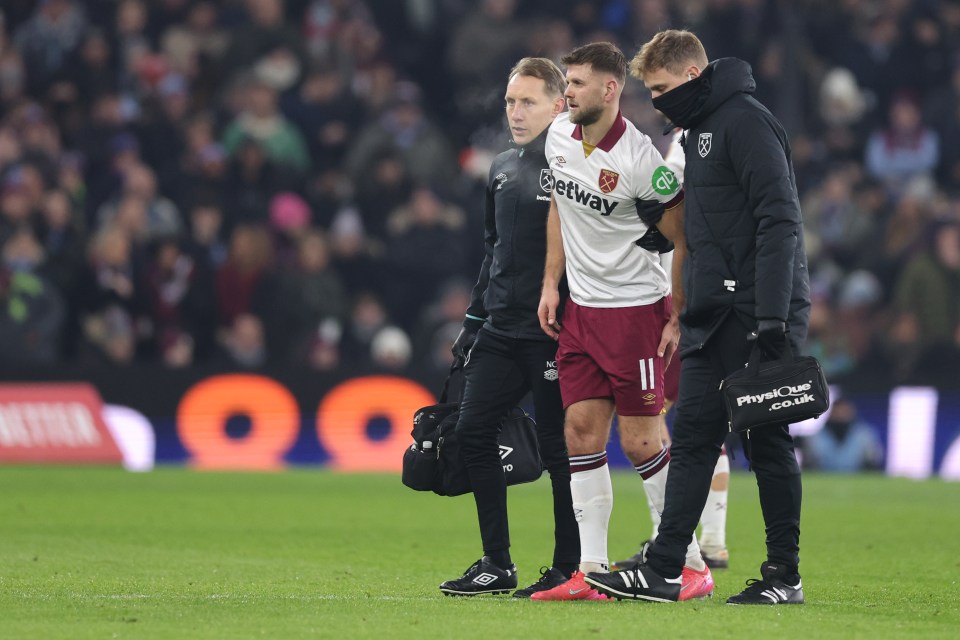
[(776, 586), (637, 558), (639, 583), (482, 577), (550, 577)]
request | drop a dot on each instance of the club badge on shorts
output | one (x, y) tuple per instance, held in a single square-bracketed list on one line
[(704, 144), (608, 180)]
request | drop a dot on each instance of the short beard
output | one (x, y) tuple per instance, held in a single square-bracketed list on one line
[(587, 117)]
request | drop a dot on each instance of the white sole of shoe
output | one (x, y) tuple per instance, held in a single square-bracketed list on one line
[(496, 592), (620, 595)]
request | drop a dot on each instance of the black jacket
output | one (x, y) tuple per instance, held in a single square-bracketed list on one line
[(743, 225), (517, 201)]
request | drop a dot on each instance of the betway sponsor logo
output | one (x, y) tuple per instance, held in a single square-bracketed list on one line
[(792, 396), (573, 191)]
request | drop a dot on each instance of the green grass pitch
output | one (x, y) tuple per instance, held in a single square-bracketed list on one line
[(100, 553)]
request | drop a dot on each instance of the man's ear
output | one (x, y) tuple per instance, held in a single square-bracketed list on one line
[(610, 89), (558, 106)]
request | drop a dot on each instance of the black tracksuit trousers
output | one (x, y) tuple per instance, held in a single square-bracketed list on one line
[(699, 429), (498, 375)]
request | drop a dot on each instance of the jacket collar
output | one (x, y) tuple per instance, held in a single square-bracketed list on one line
[(536, 145)]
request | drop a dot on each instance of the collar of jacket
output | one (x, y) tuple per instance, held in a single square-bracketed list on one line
[(536, 145), (689, 104)]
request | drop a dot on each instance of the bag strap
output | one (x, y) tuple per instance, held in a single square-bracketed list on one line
[(455, 367), (753, 362)]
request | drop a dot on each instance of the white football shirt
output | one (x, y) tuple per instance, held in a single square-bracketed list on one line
[(676, 161), (675, 158), (597, 200)]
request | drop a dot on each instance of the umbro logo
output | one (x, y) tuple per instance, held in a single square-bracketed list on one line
[(485, 578), (505, 451)]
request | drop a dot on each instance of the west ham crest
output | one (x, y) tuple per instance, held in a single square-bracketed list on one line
[(608, 180), (703, 144), (546, 180)]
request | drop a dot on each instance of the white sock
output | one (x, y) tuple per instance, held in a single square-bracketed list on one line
[(713, 535), (654, 472), (592, 493), (593, 567)]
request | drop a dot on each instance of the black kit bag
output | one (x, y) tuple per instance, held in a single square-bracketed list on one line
[(420, 460), (785, 390), (434, 463)]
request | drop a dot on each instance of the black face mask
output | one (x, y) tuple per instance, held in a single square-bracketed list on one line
[(682, 103)]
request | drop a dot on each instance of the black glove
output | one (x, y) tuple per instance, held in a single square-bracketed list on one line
[(655, 241), (651, 211), (465, 339), (771, 336)]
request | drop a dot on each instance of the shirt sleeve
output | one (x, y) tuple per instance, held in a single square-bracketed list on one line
[(656, 182), (675, 158)]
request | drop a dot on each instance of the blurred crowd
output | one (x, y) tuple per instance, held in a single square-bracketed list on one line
[(299, 182)]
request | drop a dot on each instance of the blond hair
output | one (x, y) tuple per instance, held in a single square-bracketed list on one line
[(543, 68), (673, 50)]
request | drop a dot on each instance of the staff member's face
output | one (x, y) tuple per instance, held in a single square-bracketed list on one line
[(587, 93), (661, 81), (530, 109)]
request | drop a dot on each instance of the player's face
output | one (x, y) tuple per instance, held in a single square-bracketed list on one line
[(661, 81), (584, 94), (529, 109)]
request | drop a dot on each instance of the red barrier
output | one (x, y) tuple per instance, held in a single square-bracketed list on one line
[(54, 422)]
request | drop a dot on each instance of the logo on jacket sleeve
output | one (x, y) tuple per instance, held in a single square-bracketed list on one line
[(608, 180), (546, 180), (704, 143)]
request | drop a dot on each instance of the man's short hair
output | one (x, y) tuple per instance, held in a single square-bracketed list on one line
[(673, 50), (605, 57), (545, 69)]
